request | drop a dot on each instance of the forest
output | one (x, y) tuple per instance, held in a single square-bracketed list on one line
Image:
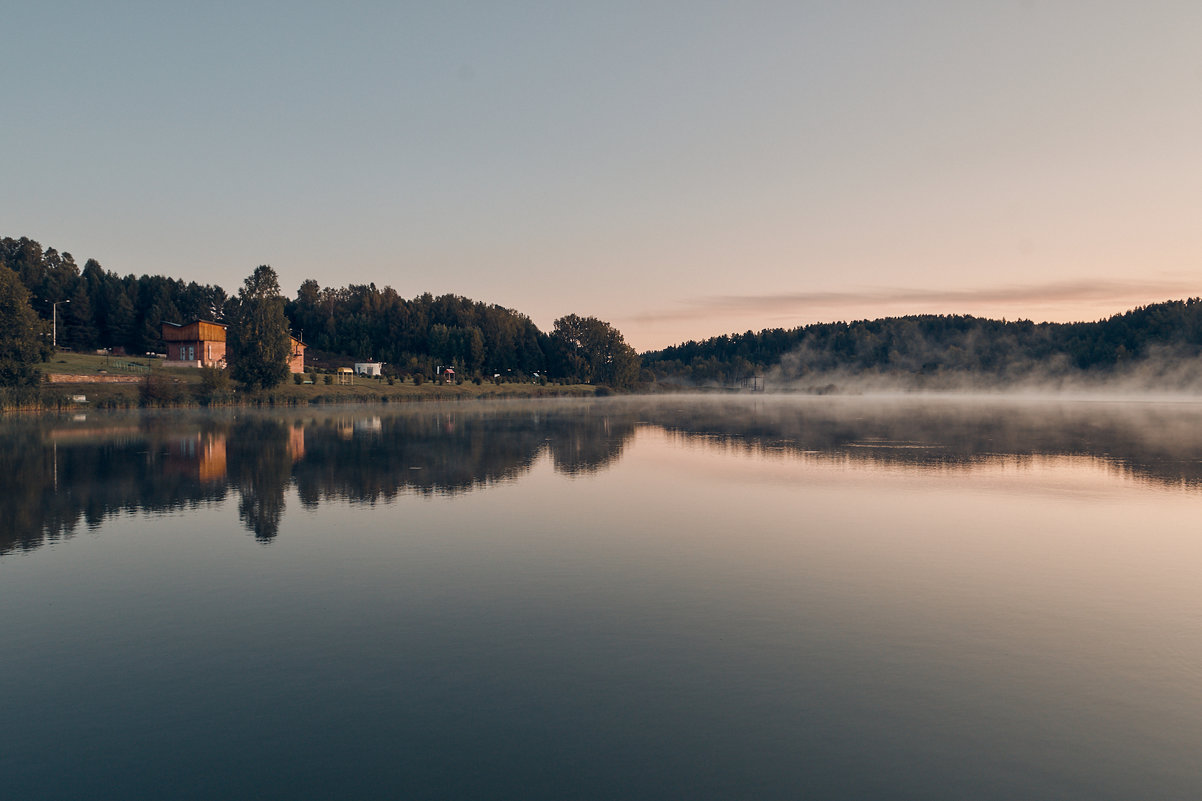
[(1163, 340), (100, 309)]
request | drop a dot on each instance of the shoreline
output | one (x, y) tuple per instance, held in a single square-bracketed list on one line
[(62, 394)]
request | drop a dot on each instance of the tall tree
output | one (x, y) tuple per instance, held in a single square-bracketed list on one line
[(258, 340), (120, 317), (21, 346), (155, 305), (592, 350), (78, 323)]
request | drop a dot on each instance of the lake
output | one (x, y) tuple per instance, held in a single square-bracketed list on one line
[(735, 597)]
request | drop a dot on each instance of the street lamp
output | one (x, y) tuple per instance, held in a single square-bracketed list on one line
[(54, 325)]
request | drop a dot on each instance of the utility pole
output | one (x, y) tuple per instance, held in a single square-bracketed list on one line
[(54, 325)]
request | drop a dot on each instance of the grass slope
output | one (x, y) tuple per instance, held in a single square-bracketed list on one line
[(181, 386)]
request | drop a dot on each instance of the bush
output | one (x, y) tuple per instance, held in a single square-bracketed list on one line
[(215, 386), (327, 379), (417, 379), (298, 378), (391, 381), (27, 397), (214, 380), (159, 390)]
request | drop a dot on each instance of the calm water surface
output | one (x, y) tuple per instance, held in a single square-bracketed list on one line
[(691, 598)]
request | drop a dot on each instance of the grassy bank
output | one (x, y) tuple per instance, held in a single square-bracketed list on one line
[(151, 383)]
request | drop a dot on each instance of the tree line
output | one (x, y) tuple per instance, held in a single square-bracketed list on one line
[(942, 346), (415, 336), (99, 309), (420, 334)]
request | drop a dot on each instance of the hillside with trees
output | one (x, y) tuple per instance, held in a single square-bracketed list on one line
[(1160, 343), (419, 334), (100, 309), (1155, 346)]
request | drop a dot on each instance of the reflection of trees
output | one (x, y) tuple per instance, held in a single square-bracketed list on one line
[(59, 475), (260, 467), (1159, 442), (448, 451), (591, 441)]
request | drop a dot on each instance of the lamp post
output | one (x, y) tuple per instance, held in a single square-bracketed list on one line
[(54, 324)]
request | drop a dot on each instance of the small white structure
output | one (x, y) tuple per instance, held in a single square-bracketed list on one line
[(368, 368)]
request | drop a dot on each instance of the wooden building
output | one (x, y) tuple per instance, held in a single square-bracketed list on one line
[(201, 343), (195, 344), (296, 357)]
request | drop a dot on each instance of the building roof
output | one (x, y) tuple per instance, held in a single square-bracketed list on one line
[(203, 330), (197, 330)]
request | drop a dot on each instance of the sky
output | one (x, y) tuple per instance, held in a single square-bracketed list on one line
[(681, 169)]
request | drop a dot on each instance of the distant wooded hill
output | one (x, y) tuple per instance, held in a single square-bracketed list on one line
[(1162, 340), (358, 322), (1160, 343)]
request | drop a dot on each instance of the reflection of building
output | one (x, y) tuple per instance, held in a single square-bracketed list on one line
[(211, 459), (296, 443), (107, 434), (201, 343), (200, 455), (359, 426), (368, 425)]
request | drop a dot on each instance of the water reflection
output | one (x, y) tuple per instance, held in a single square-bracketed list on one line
[(1157, 442), (67, 472), (64, 473)]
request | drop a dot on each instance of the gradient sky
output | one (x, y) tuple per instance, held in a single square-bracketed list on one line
[(680, 169)]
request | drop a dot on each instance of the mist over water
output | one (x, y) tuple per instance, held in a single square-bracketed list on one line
[(1164, 374), (706, 597), (1153, 350), (70, 474)]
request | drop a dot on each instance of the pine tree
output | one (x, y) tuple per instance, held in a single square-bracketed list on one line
[(257, 338), (79, 328), (121, 320)]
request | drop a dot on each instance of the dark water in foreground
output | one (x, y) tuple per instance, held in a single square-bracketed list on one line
[(762, 599)]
